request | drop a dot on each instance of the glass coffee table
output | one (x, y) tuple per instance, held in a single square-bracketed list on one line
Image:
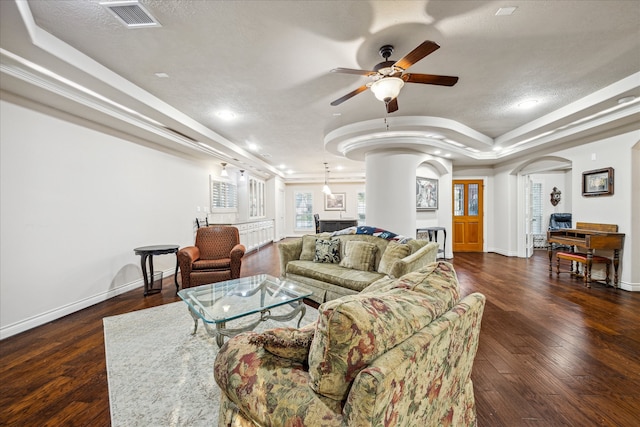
[(218, 303)]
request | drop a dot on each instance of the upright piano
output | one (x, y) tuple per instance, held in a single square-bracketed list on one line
[(590, 236)]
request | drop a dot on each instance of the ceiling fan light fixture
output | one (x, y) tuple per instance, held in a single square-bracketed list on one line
[(387, 88)]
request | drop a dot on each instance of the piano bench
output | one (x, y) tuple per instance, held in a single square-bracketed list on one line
[(581, 258)]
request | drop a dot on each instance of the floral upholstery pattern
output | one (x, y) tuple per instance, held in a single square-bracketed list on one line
[(354, 331), (419, 374), (268, 388), (426, 380)]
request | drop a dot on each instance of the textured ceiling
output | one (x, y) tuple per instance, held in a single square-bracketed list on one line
[(269, 62)]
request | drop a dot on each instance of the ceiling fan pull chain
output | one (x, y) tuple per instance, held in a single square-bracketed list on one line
[(386, 114)]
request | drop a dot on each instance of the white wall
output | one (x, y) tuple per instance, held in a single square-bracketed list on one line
[(75, 202)]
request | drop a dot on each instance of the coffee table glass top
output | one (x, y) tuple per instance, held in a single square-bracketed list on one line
[(232, 299)]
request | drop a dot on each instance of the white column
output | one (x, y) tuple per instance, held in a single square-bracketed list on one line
[(391, 190)]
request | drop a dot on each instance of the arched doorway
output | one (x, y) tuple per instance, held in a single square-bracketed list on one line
[(536, 179)]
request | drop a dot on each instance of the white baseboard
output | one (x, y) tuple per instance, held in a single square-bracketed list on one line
[(632, 287), (56, 313)]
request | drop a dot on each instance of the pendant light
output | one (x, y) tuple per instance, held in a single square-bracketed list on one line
[(325, 189), (224, 172)]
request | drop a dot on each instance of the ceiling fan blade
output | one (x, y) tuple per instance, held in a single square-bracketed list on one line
[(417, 54), (352, 71), (349, 95), (392, 105), (430, 79)]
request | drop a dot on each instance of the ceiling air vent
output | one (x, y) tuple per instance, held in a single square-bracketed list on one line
[(131, 13)]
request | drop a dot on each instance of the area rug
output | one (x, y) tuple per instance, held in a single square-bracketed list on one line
[(161, 375)]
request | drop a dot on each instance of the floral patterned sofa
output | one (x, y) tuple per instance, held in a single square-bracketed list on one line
[(399, 353), (335, 265)]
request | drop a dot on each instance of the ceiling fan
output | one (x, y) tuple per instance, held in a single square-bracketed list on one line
[(388, 77)]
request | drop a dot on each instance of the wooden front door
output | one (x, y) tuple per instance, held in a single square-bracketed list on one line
[(468, 215)]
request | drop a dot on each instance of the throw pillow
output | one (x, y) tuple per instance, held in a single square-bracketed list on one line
[(327, 251), (288, 343), (308, 248), (394, 252), (359, 255)]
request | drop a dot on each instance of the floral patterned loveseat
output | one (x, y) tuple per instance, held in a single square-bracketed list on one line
[(398, 353)]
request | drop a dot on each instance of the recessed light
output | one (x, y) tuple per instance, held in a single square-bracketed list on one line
[(529, 103), (497, 148), (226, 115), (506, 11), (162, 75), (289, 171), (437, 152), (448, 155), (282, 166), (253, 146)]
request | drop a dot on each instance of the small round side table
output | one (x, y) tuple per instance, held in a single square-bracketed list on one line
[(147, 252)]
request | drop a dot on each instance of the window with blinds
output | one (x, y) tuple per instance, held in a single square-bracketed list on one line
[(224, 196)]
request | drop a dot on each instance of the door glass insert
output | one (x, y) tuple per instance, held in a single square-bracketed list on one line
[(458, 200), (473, 200)]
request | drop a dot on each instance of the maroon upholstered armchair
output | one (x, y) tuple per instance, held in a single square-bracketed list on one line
[(216, 256)]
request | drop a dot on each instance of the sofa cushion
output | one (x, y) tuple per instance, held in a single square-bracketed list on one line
[(352, 331), (290, 343), (417, 244), (333, 274), (359, 255), (379, 242), (308, 247), (393, 253), (268, 388), (327, 251)]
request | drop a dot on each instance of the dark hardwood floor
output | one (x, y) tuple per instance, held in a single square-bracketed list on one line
[(551, 353)]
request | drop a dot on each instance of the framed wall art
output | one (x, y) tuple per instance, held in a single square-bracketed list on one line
[(598, 182), (335, 202), (426, 194)]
